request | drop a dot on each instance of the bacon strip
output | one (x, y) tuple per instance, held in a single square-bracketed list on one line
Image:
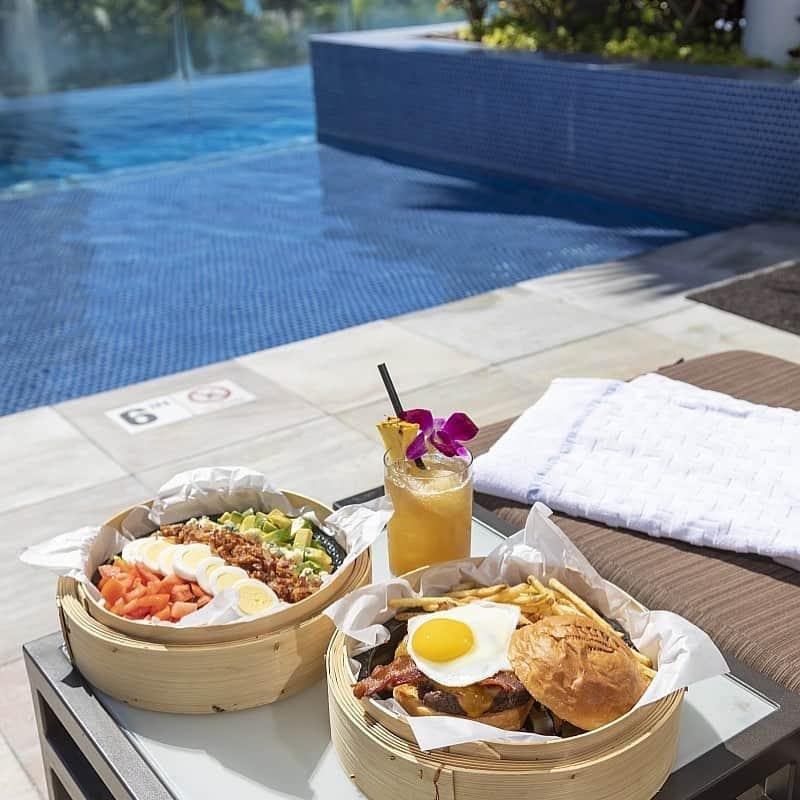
[(400, 671), (507, 681)]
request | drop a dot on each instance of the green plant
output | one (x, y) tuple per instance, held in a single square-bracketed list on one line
[(475, 11), (696, 31)]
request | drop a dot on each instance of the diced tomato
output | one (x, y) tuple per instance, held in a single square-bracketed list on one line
[(128, 607), (148, 576), (135, 592), (155, 602), (180, 610), (112, 590), (118, 606), (181, 593)]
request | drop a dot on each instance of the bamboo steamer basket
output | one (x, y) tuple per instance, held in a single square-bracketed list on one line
[(232, 631), (629, 759), (205, 669), (198, 678)]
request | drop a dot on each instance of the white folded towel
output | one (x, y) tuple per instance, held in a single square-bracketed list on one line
[(658, 456)]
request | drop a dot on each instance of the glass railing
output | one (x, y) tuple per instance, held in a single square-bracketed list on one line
[(54, 45)]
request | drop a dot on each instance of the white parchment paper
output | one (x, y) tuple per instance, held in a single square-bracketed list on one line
[(204, 491), (683, 653)]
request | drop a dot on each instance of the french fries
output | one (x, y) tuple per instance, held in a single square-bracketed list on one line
[(534, 599)]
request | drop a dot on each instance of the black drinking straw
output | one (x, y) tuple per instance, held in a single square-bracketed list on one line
[(394, 398)]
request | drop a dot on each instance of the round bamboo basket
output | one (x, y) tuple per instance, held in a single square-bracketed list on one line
[(628, 759), (232, 631), (199, 678)]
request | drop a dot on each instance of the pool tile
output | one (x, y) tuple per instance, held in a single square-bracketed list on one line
[(18, 723), (44, 455), (274, 407), (488, 395), (710, 330), (506, 323), (621, 290), (213, 260), (14, 782), (656, 282), (323, 458), (30, 590), (622, 354), (338, 371)]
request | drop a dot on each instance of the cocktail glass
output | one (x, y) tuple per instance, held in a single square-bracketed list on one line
[(432, 520)]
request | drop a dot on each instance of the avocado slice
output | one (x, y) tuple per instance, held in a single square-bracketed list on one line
[(248, 523), (319, 557), (279, 519), (302, 538)]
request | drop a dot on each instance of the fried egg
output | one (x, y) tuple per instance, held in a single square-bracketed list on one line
[(463, 645)]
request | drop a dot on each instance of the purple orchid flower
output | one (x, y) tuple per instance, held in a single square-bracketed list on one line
[(445, 435)]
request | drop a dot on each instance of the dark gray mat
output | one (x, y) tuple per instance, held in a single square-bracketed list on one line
[(770, 297)]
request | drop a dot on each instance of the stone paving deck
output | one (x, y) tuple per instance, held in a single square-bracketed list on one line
[(311, 425)]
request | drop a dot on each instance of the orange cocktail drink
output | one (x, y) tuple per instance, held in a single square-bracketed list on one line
[(432, 518)]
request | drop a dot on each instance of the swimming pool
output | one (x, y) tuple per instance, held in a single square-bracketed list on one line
[(69, 136), (146, 231)]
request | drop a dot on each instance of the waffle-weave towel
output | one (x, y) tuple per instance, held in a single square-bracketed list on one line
[(658, 456)]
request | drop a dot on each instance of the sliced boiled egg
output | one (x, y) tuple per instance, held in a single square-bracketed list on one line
[(463, 645), (149, 554), (206, 570), (186, 562), (131, 550), (253, 596), (167, 557), (225, 577)]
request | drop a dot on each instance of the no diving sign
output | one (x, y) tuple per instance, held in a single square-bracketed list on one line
[(159, 411)]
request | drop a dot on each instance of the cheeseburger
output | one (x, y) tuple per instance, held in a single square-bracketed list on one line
[(473, 662)]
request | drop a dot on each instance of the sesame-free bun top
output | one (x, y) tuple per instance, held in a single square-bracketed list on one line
[(579, 671)]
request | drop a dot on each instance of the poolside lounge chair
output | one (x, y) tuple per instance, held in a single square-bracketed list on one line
[(750, 605)]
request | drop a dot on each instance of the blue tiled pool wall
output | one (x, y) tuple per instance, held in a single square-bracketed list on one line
[(722, 150)]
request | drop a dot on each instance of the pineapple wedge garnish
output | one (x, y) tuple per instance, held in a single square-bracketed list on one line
[(397, 435)]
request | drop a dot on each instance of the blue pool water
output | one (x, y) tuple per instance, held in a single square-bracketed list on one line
[(145, 231), (70, 136)]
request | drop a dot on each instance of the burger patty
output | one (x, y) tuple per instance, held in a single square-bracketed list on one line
[(506, 696), (500, 692)]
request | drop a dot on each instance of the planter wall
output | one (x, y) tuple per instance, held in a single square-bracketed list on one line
[(717, 145)]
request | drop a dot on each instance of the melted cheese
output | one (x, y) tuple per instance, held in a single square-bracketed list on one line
[(474, 700)]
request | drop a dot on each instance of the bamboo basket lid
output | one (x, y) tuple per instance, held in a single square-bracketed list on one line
[(199, 678), (629, 759), (232, 631)]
